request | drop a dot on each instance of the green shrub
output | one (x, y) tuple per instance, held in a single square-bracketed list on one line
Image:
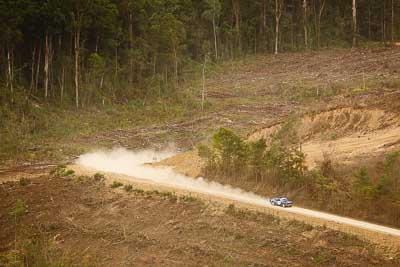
[(69, 172), (230, 209), (138, 191), (62, 166), (128, 188), (58, 170), (189, 199), (116, 184), (389, 181), (99, 177), (24, 181), (229, 151), (167, 194), (363, 186), (154, 192), (280, 163), (19, 209)]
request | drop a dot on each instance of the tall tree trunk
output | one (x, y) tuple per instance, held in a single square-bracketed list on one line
[(154, 65), (292, 32), (166, 76), (263, 22), (77, 51), (96, 49), (321, 10), (215, 33), (33, 69), (203, 91), (116, 64), (354, 24), (130, 26), (236, 11), (51, 55), (176, 66), (255, 40), (62, 82), (38, 69), (369, 21), (305, 24), (10, 70), (384, 22), (62, 79), (278, 14), (392, 22), (46, 66)]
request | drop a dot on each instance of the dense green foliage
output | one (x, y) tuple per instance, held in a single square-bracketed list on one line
[(110, 51), (278, 164), (380, 190)]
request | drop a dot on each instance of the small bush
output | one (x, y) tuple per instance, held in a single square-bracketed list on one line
[(167, 194), (62, 166), (116, 184), (128, 188), (24, 181), (58, 170), (230, 209), (69, 172), (83, 178), (189, 199), (99, 177), (19, 209), (154, 192), (138, 191), (363, 186), (36, 252)]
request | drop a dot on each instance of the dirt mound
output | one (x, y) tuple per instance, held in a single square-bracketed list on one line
[(346, 134), (188, 163), (345, 121)]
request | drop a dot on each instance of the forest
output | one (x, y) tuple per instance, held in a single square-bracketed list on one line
[(91, 52)]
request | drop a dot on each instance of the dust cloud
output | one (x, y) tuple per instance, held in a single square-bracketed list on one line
[(136, 165)]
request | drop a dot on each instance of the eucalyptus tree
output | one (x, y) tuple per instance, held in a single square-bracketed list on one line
[(212, 13), (279, 5), (354, 23), (79, 15)]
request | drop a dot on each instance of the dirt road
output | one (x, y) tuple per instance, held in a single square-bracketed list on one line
[(129, 166)]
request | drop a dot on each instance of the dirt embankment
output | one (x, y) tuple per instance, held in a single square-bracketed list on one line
[(347, 135), (188, 163)]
